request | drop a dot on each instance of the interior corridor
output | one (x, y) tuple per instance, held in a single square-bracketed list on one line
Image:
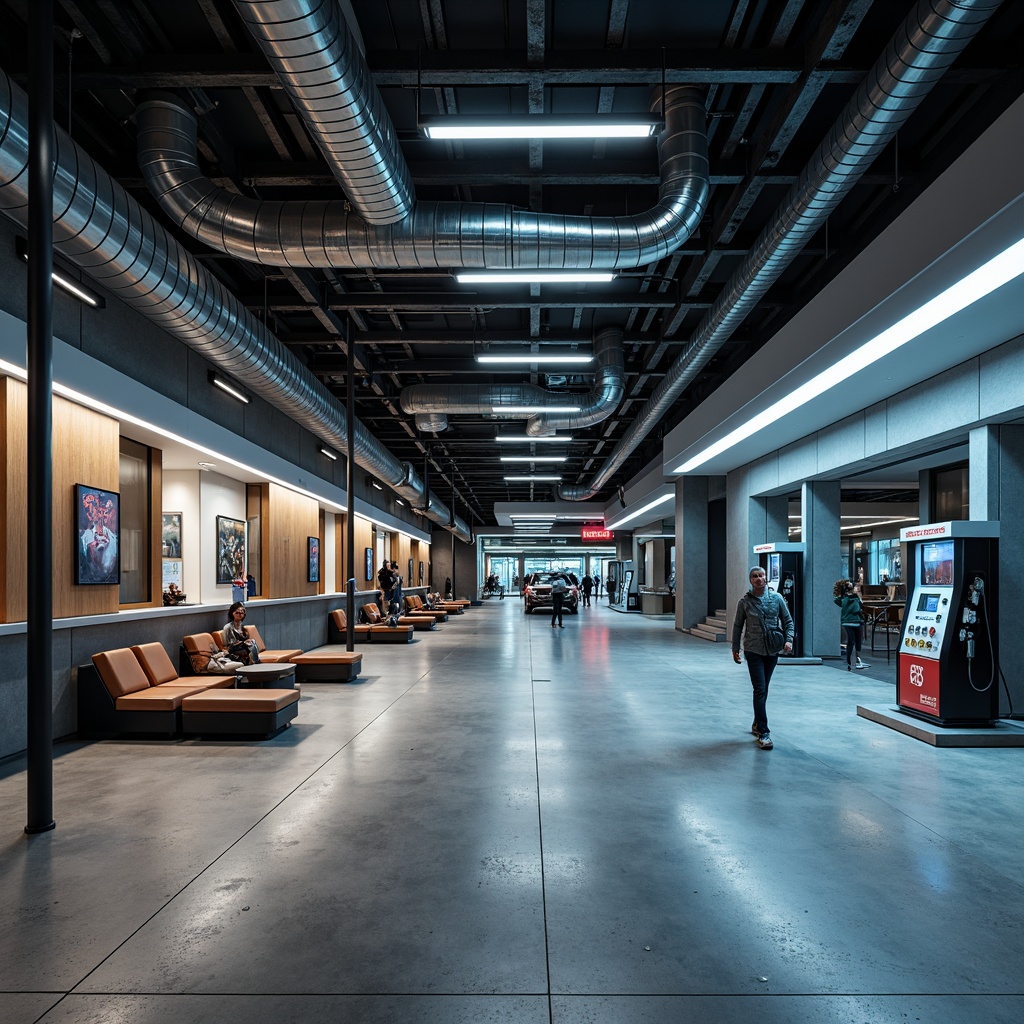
[(509, 822)]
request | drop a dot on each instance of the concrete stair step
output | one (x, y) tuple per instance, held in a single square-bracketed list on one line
[(707, 634), (714, 620)]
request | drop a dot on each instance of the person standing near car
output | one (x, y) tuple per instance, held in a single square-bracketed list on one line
[(757, 609), (558, 591), (588, 586)]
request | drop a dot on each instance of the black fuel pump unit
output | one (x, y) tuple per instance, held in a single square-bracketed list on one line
[(949, 655)]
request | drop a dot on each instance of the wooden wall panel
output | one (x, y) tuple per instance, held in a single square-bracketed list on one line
[(13, 499), (288, 521), (85, 451)]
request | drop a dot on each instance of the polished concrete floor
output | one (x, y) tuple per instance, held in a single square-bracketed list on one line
[(508, 822)]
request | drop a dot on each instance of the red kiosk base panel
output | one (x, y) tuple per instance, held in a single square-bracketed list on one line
[(919, 684)]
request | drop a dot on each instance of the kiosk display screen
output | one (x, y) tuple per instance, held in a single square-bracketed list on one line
[(928, 603), (937, 563)]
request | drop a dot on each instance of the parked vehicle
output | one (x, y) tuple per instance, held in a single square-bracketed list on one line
[(537, 592)]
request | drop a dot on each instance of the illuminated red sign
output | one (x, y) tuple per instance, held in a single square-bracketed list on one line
[(595, 533)]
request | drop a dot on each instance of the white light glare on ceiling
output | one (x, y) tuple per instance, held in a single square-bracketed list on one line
[(616, 523), (533, 458), (526, 439), (999, 270), (541, 126), (523, 478), (535, 408), (557, 358), (534, 277)]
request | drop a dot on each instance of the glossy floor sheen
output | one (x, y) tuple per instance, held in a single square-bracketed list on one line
[(506, 822)]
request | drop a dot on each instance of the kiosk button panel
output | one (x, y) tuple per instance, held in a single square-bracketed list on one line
[(929, 612)]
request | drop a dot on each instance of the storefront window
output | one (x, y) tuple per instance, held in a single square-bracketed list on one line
[(887, 558)]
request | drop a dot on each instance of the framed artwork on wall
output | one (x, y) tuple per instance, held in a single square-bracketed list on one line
[(408, 575), (230, 550), (313, 552), (421, 574), (369, 564), (98, 553), (171, 536)]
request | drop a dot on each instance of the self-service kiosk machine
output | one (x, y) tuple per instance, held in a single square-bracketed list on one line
[(783, 565), (627, 595), (948, 654)]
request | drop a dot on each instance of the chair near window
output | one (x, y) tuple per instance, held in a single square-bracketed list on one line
[(890, 620)]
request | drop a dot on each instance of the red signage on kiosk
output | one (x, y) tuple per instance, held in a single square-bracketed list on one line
[(596, 533), (919, 685)]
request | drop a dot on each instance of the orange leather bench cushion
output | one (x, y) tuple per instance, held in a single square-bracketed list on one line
[(240, 700), (341, 621), (157, 698), (160, 670), (327, 658), (121, 672)]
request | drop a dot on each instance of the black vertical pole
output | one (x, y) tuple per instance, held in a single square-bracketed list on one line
[(39, 638), (454, 590), (350, 522)]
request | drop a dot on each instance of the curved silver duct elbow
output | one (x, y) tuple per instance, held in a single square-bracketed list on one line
[(434, 235), (309, 45), (104, 232), (429, 400), (918, 55)]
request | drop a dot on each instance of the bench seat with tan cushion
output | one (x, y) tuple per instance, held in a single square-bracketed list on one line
[(380, 631), (197, 651), (418, 622), (338, 623), (115, 698), (160, 671), (284, 654), (238, 712), (414, 603), (330, 664)]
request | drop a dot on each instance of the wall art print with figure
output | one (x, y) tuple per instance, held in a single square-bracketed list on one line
[(98, 555)]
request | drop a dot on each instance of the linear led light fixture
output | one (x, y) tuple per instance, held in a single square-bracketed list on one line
[(533, 458), (559, 358), (534, 276), (228, 388), (999, 270), (537, 477), (328, 453), (526, 439), (535, 408), (62, 281), (542, 126), (616, 523)]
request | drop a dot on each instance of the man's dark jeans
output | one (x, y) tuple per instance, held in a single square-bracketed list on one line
[(760, 667), (556, 606)]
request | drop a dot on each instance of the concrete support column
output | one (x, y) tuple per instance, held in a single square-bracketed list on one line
[(746, 524), (820, 525), (691, 551), (996, 477)]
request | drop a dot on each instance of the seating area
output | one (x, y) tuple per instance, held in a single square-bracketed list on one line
[(137, 691)]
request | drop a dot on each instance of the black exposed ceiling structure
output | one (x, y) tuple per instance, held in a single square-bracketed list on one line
[(773, 75)]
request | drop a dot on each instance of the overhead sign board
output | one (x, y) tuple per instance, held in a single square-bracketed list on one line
[(595, 533)]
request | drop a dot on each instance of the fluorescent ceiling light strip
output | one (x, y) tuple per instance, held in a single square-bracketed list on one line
[(567, 129), (533, 458), (535, 357), (542, 477), (870, 526), (615, 523), (233, 392), (999, 270), (526, 439), (535, 408), (329, 454), (535, 276)]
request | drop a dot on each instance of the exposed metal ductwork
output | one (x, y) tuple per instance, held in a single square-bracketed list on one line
[(488, 399), (434, 235), (322, 69), (928, 42), (104, 232)]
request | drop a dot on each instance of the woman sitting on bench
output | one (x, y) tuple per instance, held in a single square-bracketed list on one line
[(237, 641)]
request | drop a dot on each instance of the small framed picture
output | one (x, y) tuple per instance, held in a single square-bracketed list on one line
[(421, 574), (369, 564), (230, 549), (97, 517), (408, 575), (171, 535), (313, 551)]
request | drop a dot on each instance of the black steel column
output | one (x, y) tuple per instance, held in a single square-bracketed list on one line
[(350, 521), (39, 639)]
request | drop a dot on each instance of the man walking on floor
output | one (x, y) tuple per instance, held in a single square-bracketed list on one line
[(588, 586), (759, 612), (558, 591)]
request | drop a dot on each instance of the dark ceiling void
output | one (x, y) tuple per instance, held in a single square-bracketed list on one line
[(773, 78)]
